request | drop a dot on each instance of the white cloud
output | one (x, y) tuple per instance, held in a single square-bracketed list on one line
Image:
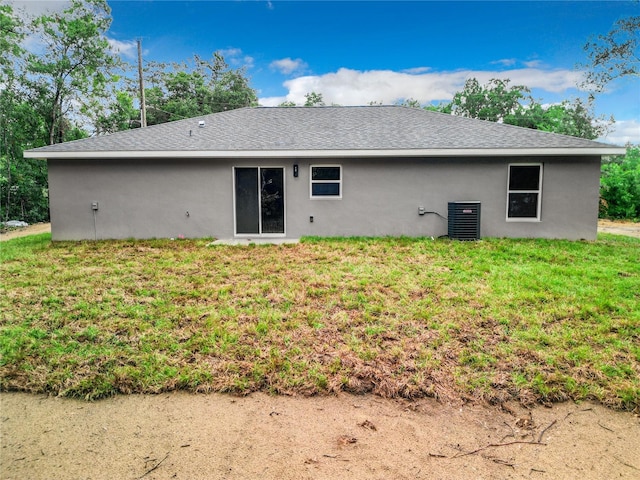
[(27, 11), (623, 132), (248, 61), (416, 70), (356, 87), (353, 87), (507, 62), (533, 64), (271, 101), (288, 65), (512, 62), (31, 8), (231, 52), (236, 58), (34, 43), (127, 48), (556, 81)]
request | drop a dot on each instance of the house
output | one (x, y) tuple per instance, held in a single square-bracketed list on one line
[(327, 171)]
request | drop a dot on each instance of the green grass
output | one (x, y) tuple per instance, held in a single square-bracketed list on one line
[(531, 320)]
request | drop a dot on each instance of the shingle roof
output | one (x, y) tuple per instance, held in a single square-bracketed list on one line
[(296, 130)]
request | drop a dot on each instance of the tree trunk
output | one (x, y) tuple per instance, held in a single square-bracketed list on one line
[(57, 102)]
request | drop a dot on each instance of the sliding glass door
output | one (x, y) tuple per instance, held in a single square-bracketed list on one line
[(259, 200)]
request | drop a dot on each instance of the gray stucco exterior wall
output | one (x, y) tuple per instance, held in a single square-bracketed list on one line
[(151, 198)]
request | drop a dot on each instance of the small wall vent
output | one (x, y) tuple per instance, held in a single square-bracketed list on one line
[(464, 220)]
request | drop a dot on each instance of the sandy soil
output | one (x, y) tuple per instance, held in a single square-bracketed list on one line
[(619, 228), (188, 436), (23, 232)]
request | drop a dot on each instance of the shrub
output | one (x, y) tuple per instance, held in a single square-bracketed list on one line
[(620, 186)]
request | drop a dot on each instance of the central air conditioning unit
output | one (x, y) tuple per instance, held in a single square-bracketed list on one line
[(464, 220)]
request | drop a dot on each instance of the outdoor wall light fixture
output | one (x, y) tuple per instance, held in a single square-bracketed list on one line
[(295, 170)]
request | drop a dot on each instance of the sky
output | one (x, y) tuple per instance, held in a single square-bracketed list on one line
[(359, 52)]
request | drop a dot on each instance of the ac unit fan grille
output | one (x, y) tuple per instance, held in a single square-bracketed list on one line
[(464, 220)]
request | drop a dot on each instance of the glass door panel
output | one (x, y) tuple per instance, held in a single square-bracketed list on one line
[(259, 200), (272, 200), (247, 201)]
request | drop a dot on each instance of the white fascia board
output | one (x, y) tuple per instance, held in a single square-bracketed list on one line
[(438, 152)]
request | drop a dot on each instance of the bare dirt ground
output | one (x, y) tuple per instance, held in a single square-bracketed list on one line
[(630, 229), (187, 436), (23, 232)]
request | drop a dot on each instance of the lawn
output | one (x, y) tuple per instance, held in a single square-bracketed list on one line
[(494, 320)]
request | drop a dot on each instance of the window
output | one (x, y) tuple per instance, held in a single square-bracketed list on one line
[(524, 192), (326, 181)]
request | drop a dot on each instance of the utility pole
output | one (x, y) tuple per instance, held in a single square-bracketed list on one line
[(143, 105)]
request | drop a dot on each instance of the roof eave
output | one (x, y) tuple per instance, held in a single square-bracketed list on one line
[(436, 152)]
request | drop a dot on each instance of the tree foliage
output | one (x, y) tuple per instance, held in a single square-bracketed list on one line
[(497, 101), (77, 66), (287, 103), (407, 102), (614, 55), (313, 99), (442, 107), (574, 118), (120, 114), (11, 36), (494, 101), (182, 90), (620, 186), (23, 183)]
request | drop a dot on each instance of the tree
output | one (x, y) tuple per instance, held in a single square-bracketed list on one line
[(77, 66), (441, 108), (620, 186), (614, 55), (182, 90), (409, 102), (498, 102), (11, 35), (313, 99), (23, 183), (574, 118), (120, 114), (493, 101), (413, 103)]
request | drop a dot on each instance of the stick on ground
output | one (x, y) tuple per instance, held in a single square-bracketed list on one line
[(154, 467)]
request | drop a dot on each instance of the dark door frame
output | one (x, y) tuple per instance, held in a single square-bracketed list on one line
[(260, 210)]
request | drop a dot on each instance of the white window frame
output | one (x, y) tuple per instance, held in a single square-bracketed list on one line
[(538, 191), (312, 181)]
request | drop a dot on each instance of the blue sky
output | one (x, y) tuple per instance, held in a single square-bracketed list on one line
[(363, 51)]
